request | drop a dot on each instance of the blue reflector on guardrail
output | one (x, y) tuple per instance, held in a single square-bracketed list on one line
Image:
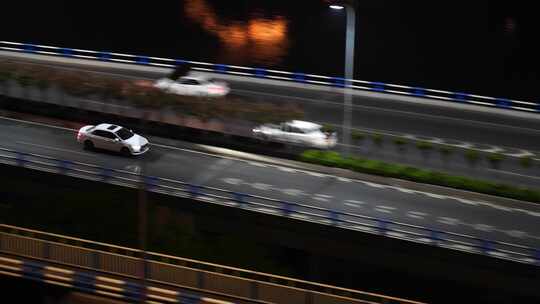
[(64, 166), (462, 97), (178, 62), (30, 48), (133, 290), (259, 72), (383, 226), (378, 86), (186, 298), (299, 77), (338, 82), (143, 60), (503, 103), (486, 246), (21, 159), (66, 52), (334, 217), (150, 182), (32, 270), (418, 92), (286, 208), (105, 56), (84, 281), (239, 198), (194, 190), (105, 173), (221, 68)]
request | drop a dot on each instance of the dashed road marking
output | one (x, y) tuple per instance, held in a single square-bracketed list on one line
[(373, 184), (416, 214), (483, 227), (466, 201), (401, 189), (285, 169), (448, 221), (232, 181), (316, 174), (322, 197), (433, 195), (293, 192), (262, 186), (353, 203), (516, 233), (384, 209)]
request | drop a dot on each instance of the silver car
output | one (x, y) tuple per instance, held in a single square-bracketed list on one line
[(114, 138)]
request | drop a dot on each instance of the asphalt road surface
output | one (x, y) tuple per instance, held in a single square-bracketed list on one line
[(421, 118), (515, 223)]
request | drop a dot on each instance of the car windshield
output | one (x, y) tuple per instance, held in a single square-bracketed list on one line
[(124, 133)]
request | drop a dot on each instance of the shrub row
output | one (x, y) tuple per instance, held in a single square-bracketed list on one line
[(334, 159), (143, 95)]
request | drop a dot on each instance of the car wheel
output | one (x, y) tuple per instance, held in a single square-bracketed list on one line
[(88, 145), (125, 151)]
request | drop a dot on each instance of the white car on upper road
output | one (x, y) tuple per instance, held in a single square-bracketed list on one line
[(193, 86), (300, 132), (114, 138)]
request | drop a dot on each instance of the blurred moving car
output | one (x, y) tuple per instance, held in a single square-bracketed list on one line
[(298, 132), (114, 138), (193, 86)]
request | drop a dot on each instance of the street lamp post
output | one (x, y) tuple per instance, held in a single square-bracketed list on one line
[(349, 7)]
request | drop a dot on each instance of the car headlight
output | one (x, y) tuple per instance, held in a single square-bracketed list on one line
[(136, 148)]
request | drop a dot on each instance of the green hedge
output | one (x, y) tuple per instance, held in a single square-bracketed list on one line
[(376, 167)]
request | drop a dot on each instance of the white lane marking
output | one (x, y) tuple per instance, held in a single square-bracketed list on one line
[(401, 189), (433, 195), (256, 164), (316, 174), (495, 206), (285, 169), (416, 214), (516, 233), (448, 221), (365, 228), (322, 197), (293, 192), (514, 174), (354, 203), (299, 216), (424, 240), (262, 186), (466, 201), (373, 184), (53, 148), (523, 153), (483, 227), (344, 179), (493, 149), (133, 168), (38, 124), (384, 209), (232, 181)]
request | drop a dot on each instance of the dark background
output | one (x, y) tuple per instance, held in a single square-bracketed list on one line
[(482, 47)]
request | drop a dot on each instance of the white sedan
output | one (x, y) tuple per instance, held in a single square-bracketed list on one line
[(114, 138), (298, 132), (193, 86)]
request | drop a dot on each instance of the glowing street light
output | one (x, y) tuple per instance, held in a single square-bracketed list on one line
[(337, 7)]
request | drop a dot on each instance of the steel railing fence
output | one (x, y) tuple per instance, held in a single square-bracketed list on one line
[(293, 210), (459, 97), (174, 271)]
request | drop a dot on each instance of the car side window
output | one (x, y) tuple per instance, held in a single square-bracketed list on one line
[(296, 130), (104, 134), (189, 82)]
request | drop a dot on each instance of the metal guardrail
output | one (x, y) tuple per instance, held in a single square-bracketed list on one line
[(162, 272), (460, 97), (297, 211), (102, 285)]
